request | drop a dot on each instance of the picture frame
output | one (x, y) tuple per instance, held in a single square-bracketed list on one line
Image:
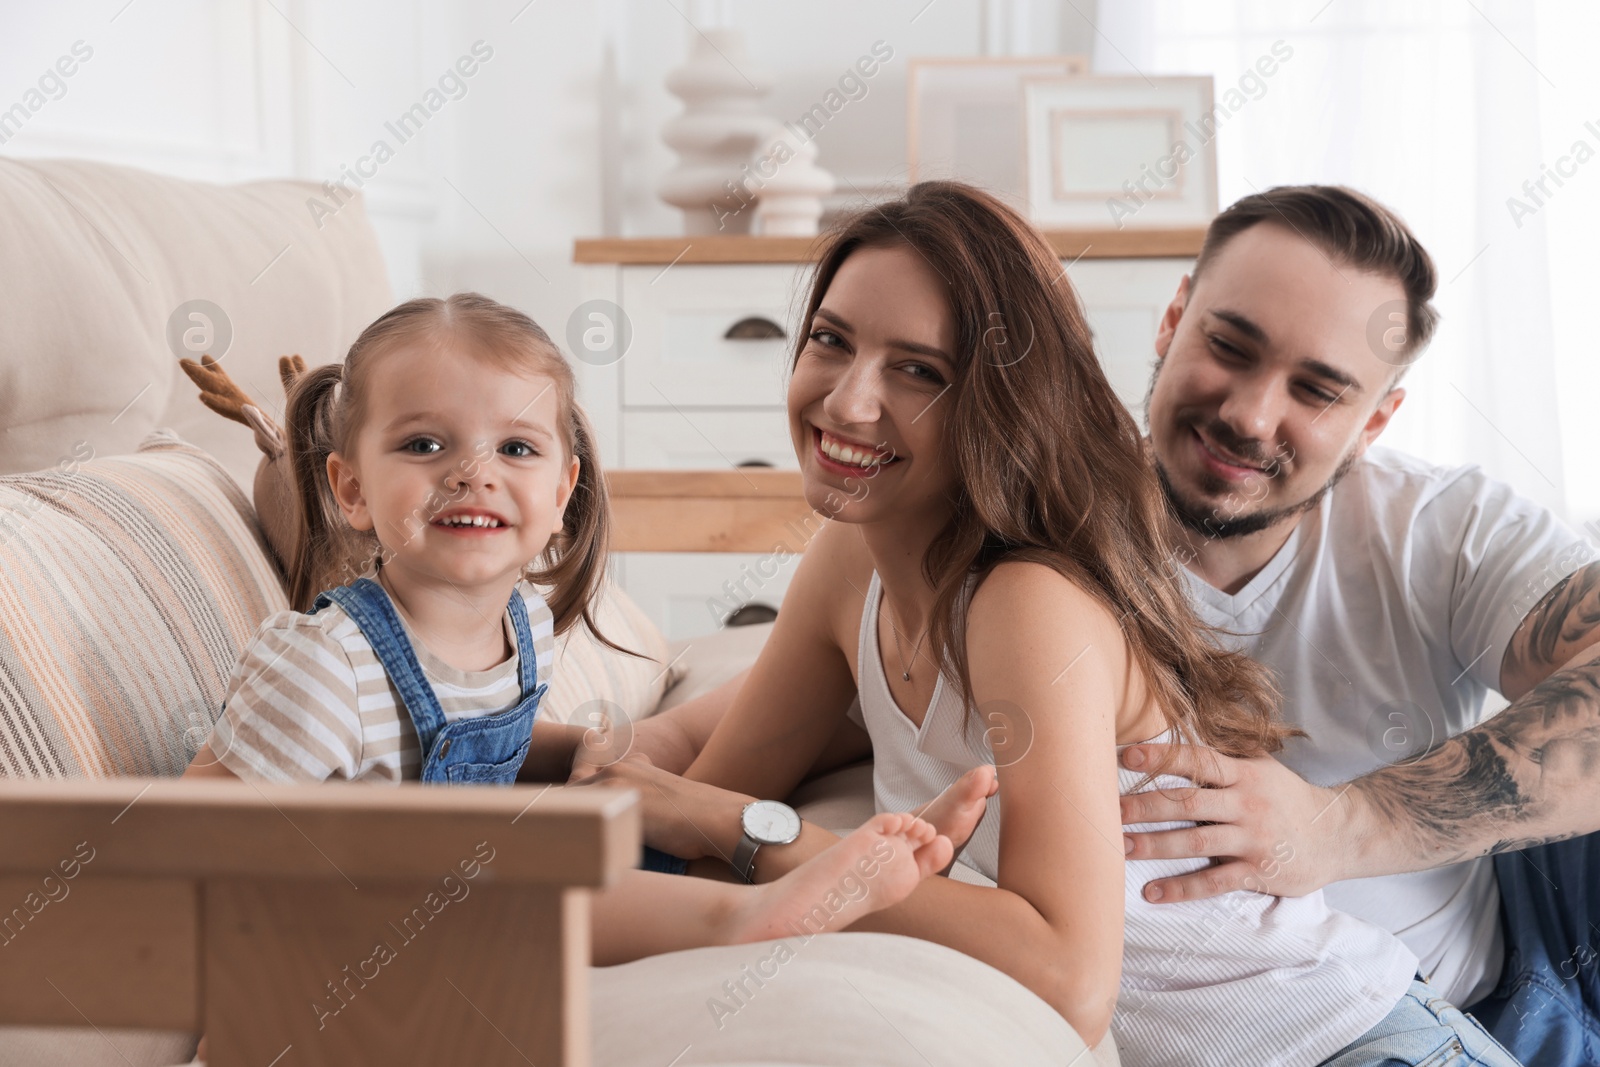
[(964, 117), (1120, 152)]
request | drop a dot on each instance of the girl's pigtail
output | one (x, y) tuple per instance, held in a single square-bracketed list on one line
[(577, 561), (311, 440)]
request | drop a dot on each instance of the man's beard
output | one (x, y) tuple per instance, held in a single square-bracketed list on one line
[(1206, 521)]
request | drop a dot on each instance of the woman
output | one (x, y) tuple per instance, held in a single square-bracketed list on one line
[(997, 587)]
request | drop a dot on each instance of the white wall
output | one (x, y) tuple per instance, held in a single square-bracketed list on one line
[(557, 133), (566, 142)]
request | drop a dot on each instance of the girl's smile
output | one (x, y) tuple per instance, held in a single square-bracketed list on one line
[(471, 522)]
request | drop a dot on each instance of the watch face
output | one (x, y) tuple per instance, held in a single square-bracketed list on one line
[(771, 822)]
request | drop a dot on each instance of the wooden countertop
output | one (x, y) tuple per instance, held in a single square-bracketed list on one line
[(1169, 243)]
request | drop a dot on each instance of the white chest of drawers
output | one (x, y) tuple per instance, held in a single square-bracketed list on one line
[(712, 322)]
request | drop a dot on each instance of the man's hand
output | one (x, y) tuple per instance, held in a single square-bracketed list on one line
[(1269, 830)]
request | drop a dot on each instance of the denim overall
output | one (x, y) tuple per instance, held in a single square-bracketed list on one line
[(486, 750)]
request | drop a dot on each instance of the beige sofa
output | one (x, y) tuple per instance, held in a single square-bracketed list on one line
[(101, 270)]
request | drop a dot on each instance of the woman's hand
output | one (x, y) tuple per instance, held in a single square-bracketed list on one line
[(659, 739), (683, 817), (670, 739)]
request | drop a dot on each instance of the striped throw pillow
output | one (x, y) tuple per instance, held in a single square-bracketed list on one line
[(128, 588), (590, 679)]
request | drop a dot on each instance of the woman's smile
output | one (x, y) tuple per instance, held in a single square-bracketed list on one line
[(841, 455)]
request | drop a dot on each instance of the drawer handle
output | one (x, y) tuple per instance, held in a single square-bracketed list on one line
[(755, 328), (753, 463), (752, 614)]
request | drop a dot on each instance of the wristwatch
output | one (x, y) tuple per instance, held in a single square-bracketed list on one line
[(765, 822)]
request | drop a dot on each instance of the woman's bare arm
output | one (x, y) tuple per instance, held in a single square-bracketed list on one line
[(793, 701), (1055, 921), (849, 744), (673, 738)]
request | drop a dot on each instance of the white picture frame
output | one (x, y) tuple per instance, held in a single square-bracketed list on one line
[(964, 117), (1120, 152)]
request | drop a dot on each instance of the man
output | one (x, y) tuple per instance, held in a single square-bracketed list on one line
[(1391, 598)]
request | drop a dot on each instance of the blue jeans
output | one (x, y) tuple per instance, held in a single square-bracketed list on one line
[(664, 862), (1546, 1008), (1424, 1030)]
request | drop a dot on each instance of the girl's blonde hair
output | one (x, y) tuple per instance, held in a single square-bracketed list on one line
[(326, 411)]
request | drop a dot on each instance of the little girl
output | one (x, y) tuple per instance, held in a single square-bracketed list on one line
[(449, 447)]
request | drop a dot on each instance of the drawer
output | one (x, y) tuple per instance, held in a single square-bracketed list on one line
[(707, 439), (682, 354), (1124, 300), (690, 594)]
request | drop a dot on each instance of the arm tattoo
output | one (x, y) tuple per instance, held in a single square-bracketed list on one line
[(1523, 778), (1564, 623)]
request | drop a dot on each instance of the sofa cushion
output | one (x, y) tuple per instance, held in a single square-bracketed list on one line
[(829, 998), (130, 585), (98, 258), (590, 679), (703, 663)]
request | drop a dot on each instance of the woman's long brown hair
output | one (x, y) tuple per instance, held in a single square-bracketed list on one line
[(325, 413), (1050, 466)]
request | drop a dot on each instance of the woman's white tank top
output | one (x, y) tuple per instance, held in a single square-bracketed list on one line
[(1239, 979)]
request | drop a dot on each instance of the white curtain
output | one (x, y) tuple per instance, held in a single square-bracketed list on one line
[(1441, 109)]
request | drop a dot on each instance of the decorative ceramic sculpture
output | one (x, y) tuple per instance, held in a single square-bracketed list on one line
[(717, 135), (789, 201)]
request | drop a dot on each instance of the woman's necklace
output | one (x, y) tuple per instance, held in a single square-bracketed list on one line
[(905, 672)]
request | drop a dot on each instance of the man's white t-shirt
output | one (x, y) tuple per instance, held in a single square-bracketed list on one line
[(1385, 618)]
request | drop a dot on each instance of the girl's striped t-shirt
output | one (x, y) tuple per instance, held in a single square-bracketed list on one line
[(310, 701)]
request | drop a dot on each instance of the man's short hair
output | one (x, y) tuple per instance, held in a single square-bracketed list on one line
[(1351, 229)]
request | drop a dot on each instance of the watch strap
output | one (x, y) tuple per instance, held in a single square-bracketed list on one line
[(744, 857)]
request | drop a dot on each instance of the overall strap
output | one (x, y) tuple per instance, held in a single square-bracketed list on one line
[(365, 601), (527, 657)]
